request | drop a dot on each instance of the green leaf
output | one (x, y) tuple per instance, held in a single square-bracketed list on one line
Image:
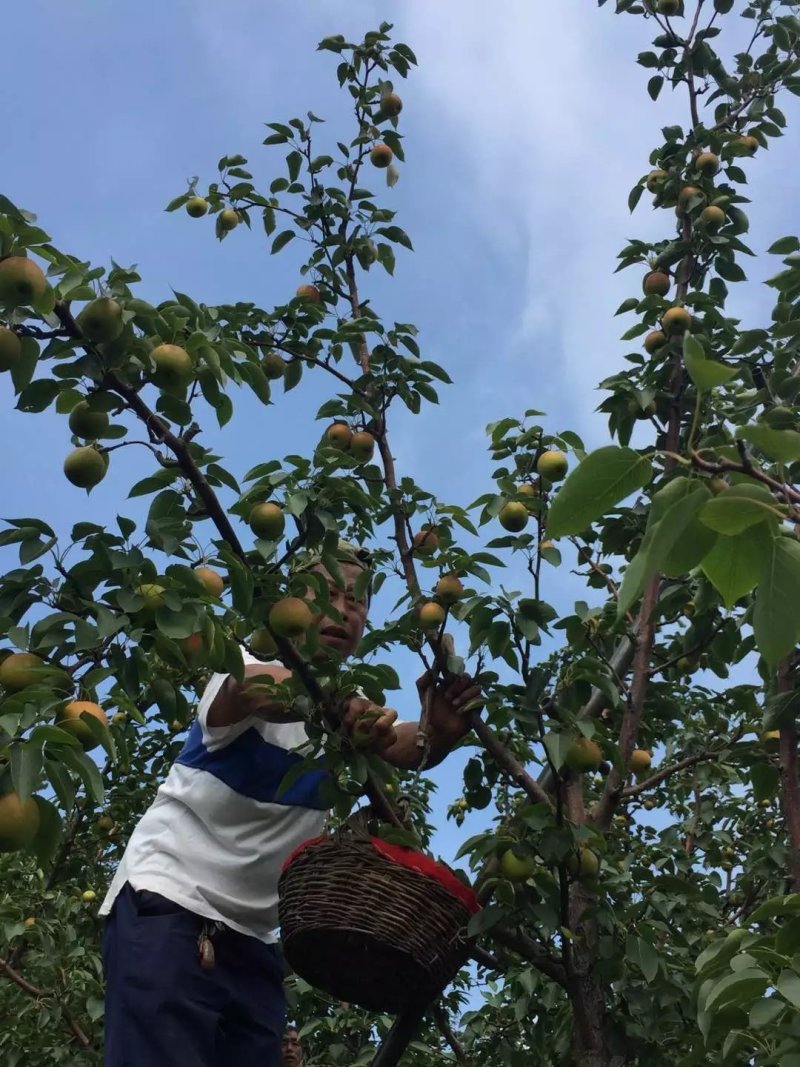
[(690, 550), (101, 733), (785, 905), (765, 1011), (48, 836), (734, 563), (605, 477), (659, 539), (281, 241), (294, 372), (788, 985), (86, 768), (23, 371), (784, 247), (39, 395), (153, 483), (26, 766), (635, 196), (294, 161), (178, 624), (705, 373), (739, 507), (782, 445), (738, 987), (776, 620), (648, 960)]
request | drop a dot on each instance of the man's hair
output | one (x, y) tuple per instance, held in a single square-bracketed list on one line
[(345, 552)]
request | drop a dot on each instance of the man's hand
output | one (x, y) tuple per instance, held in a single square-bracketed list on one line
[(236, 701), (452, 703), (369, 726)]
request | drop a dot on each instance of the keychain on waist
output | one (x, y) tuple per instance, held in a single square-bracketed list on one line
[(205, 945)]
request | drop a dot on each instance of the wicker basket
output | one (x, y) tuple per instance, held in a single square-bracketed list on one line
[(369, 929)]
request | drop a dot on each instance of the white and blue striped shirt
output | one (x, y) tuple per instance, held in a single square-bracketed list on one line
[(216, 834)]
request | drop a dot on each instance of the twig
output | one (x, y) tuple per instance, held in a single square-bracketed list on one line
[(507, 762), (34, 991), (446, 1030), (790, 788), (486, 959), (720, 466), (706, 756), (179, 447), (632, 718), (691, 833), (530, 950)]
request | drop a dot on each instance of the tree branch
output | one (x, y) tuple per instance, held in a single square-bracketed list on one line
[(631, 720), (507, 762), (720, 466), (531, 951), (447, 1032), (706, 756), (790, 789), (38, 994), (619, 664), (187, 463)]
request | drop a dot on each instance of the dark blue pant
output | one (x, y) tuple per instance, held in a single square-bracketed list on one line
[(164, 1010)]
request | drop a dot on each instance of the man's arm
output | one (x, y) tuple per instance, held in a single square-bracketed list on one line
[(449, 721), (236, 701), (407, 755)]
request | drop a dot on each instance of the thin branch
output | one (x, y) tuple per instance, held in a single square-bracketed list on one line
[(687, 51), (179, 447), (691, 833), (531, 951), (486, 959), (323, 364), (723, 465), (447, 1032), (39, 994), (790, 788), (619, 663), (708, 755), (507, 762), (631, 720), (689, 652)]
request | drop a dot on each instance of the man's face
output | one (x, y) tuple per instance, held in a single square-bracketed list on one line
[(291, 1050), (343, 637)]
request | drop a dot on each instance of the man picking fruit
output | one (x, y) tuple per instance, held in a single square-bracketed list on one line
[(194, 974)]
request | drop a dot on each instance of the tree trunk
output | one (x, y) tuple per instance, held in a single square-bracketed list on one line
[(589, 1043)]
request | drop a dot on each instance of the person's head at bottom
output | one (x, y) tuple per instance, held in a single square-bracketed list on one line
[(291, 1049)]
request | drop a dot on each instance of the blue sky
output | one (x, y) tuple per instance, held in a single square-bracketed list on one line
[(525, 128)]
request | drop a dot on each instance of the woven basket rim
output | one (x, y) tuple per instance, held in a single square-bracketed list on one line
[(403, 856)]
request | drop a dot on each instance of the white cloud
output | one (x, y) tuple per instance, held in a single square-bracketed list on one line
[(555, 127)]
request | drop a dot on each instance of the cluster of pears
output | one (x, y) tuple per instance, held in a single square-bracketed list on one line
[(20, 819), (358, 444), (447, 592), (381, 155), (22, 282), (584, 756), (711, 216), (197, 206), (86, 466), (517, 864), (20, 670), (551, 466)]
